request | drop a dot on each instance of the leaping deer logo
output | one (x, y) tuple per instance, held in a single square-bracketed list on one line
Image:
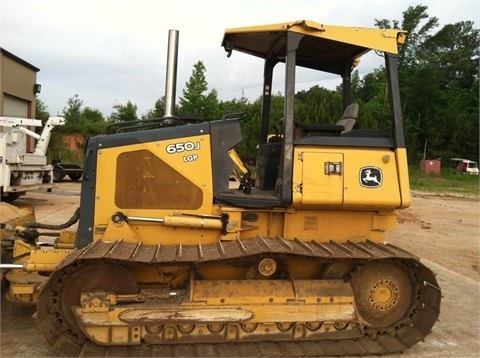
[(370, 177)]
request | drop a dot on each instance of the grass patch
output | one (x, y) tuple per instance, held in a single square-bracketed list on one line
[(445, 183)]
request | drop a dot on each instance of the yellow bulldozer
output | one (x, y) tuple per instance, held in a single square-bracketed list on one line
[(169, 259)]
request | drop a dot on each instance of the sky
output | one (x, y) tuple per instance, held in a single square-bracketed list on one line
[(110, 52)]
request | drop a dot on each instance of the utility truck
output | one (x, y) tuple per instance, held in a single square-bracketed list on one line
[(22, 170)]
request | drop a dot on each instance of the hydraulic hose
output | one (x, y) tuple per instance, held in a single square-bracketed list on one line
[(36, 225)]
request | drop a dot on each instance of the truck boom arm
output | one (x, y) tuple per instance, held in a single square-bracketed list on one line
[(42, 143), (43, 139)]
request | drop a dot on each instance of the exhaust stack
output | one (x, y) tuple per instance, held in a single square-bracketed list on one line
[(171, 76)]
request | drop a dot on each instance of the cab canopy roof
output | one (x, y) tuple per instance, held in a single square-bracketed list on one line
[(324, 47)]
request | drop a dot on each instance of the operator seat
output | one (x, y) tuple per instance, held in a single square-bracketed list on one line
[(349, 118)]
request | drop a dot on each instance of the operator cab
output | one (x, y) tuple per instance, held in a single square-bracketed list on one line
[(311, 45)]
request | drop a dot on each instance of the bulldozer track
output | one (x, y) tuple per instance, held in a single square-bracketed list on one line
[(402, 335)]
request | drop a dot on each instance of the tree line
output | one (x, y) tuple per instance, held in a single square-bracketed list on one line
[(439, 84)]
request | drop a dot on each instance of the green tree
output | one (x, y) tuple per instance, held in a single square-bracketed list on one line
[(91, 115), (158, 110), (371, 95), (193, 93), (123, 113), (234, 106), (318, 105), (85, 121), (439, 85), (92, 122), (41, 111), (73, 111), (250, 126), (211, 107), (195, 99)]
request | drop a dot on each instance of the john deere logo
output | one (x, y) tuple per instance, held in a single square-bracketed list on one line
[(371, 177)]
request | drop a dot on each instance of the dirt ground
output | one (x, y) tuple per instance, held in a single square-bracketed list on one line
[(443, 230)]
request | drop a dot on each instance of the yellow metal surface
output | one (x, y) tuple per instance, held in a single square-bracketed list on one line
[(383, 221), (259, 307), (235, 292), (22, 289), (347, 189), (23, 286), (386, 40), (66, 237), (45, 260), (319, 225), (192, 165), (240, 169), (114, 232), (63, 245), (20, 249), (323, 226), (192, 222), (316, 185)]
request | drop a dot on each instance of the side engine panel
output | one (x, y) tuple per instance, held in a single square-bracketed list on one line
[(154, 180), (348, 178)]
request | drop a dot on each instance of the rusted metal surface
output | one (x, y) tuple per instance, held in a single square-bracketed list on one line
[(224, 250)]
